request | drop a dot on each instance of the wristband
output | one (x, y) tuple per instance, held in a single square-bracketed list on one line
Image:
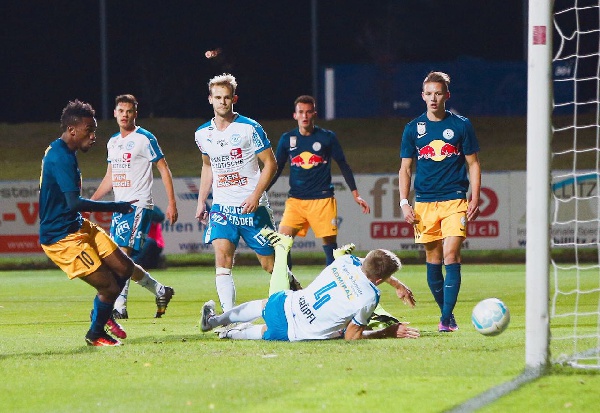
[(403, 202)]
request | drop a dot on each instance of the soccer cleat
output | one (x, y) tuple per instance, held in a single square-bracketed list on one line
[(444, 328), (233, 327), (208, 311), (381, 318), (343, 250), (277, 239), (115, 328), (163, 301), (118, 315), (294, 283), (104, 340), (452, 323)]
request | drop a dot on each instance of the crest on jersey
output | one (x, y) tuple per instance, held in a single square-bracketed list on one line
[(130, 145), (292, 142), (448, 134), (316, 146), (421, 128), (235, 139)]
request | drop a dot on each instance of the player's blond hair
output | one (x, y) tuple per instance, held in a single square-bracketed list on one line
[(226, 79), (438, 77), (380, 263)]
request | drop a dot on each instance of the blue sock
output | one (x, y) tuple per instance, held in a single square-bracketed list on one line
[(100, 315), (328, 248), (451, 289), (435, 280)]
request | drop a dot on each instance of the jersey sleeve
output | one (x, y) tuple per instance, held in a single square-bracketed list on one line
[(66, 176), (153, 150), (407, 147), (260, 142), (361, 318), (470, 143), (337, 153)]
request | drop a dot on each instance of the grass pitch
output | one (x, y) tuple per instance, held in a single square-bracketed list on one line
[(169, 365)]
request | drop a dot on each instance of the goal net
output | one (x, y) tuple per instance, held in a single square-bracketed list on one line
[(575, 191)]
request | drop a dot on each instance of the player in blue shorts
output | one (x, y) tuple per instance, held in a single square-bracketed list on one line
[(76, 245), (132, 153), (233, 147), (338, 303), (445, 148)]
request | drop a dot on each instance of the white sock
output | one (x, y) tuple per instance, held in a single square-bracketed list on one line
[(253, 332), (225, 288), (121, 302), (145, 280), (242, 313)]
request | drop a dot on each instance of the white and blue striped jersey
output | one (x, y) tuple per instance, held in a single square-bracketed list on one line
[(340, 294)]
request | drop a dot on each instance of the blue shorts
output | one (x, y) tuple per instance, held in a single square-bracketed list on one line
[(130, 230), (274, 316), (228, 222)]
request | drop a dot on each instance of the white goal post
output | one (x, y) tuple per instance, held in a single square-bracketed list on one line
[(563, 154)]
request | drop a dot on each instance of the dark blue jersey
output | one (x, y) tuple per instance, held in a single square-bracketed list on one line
[(60, 174), (439, 149), (310, 163)]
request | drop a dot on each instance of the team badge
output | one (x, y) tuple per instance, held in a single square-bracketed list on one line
[(316, 146), (292, 142), (235, 139), (448, 134), (130, 145), (421, 128)]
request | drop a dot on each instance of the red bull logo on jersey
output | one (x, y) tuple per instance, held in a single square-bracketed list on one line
[(437, 150), (307, 160)]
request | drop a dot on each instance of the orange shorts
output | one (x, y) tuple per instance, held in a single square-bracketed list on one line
[(318, 214), (438, 220), (80, 254)]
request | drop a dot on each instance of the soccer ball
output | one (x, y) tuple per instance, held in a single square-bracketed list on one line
[(490, 317)]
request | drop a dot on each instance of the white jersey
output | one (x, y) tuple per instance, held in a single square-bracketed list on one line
[(131, 159), (340, 294), (233, 159)]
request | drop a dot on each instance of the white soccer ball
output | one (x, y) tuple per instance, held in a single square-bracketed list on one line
[(490, 317)]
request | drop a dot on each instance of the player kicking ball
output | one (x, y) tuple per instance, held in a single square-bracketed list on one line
[(338, 303)]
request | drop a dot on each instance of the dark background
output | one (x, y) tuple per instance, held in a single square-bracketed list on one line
[(51, 49)]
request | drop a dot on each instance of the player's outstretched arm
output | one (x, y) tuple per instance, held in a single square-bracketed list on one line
[(402, 291), (398, 330)]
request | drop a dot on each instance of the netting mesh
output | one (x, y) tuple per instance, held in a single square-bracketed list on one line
[(575, 235)]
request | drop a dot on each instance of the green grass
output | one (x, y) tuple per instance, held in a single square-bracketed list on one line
[(169, 365)]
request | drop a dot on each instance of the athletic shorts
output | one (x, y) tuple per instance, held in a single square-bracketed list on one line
[(130, 230), (228, 222), (318, 214), (79, 254), (274, 316), (438, 220)]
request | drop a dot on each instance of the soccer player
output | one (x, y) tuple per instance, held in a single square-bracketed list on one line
[(232, 146), (445, 148), (79, 247), (311, 203), (131, 154), (338, 303)]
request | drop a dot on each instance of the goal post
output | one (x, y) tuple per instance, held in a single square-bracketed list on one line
[(539, 134)]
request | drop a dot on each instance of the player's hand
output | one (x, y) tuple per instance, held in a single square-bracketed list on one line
[(343, 250), (472, 211), (363, 205), (250, 204), (125, 207), (172, 214), (202, 214), (406, 295), (402, 330), (409, 214)]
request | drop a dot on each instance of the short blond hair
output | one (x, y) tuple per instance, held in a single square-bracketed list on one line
[(438, 77), (226, 79), (381, 263)]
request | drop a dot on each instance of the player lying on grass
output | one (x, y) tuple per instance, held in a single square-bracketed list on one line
[(338, 303)]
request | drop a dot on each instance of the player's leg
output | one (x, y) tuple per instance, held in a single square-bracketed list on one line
[(322, 218), (454, 230), (246, 312), (294, 221), (282, 244), (224, 252)]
